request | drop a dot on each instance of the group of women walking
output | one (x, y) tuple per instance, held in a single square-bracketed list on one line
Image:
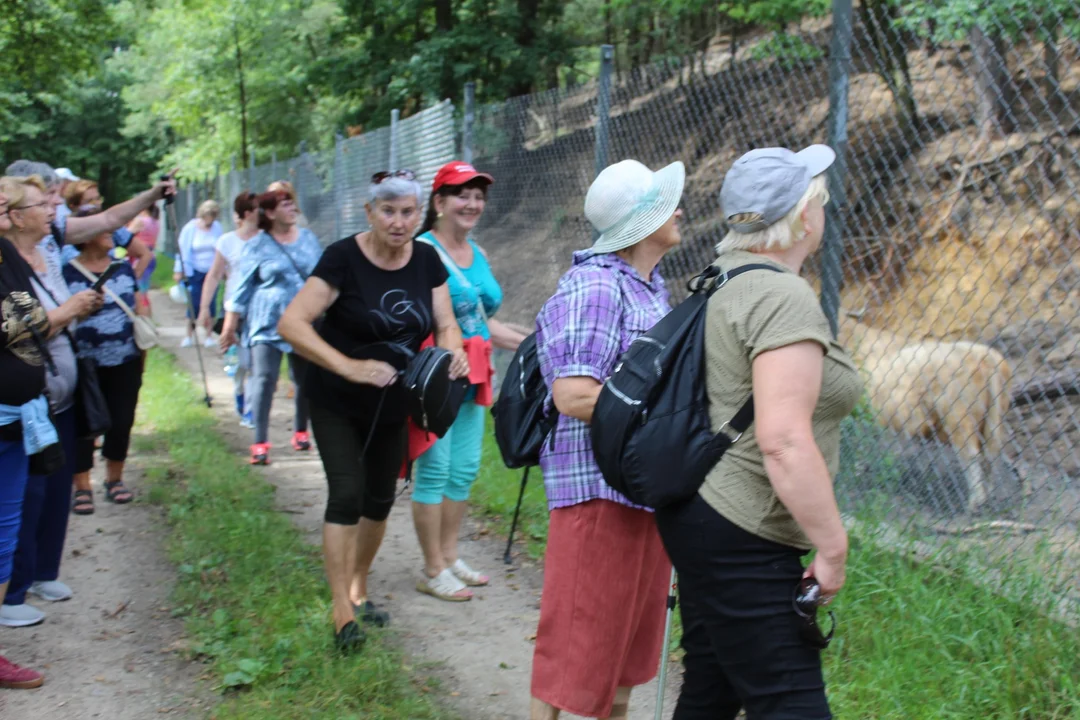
[(62, 331), (349, 318)]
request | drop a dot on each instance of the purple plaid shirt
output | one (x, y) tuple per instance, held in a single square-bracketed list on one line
[(600, 307)]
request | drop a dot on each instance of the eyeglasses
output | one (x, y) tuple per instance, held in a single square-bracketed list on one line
[(27, 207), (385, 175), (806, 601)]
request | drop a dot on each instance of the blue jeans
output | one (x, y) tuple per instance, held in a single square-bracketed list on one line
[(13, 473), (46, 508), (449, 467)]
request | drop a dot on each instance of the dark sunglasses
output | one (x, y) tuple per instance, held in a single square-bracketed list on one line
[(806, 602), (385, 175)]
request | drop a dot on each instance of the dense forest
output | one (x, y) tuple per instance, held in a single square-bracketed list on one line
[(116, 89)]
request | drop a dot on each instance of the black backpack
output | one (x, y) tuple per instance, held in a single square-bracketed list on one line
[(521, 426), (520, 423), (651, 432)]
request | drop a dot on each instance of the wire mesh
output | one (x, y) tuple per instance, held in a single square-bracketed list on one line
[(957, 209)]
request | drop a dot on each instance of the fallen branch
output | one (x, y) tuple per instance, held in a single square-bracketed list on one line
[(119, 609), (1045, 388), (995, 525)]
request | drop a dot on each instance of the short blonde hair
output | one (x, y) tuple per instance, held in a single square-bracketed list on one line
[(209, 207), (783, 233), (14, 188), (73, 193)]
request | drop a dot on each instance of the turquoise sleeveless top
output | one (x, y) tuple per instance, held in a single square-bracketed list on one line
[(466, 298)]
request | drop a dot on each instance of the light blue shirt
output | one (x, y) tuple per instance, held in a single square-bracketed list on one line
[(268, 281), (466, 297), (37, 428)]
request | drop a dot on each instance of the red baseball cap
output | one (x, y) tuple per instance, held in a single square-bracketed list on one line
[(457, 173)]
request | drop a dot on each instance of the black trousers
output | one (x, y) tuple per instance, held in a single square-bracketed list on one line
[(740, 631), (120, 385), (360, 485)]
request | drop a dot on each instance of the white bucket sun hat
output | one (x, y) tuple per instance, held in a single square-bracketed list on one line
[(628, 202)]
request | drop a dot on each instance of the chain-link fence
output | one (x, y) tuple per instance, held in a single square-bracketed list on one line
[(947, 267)]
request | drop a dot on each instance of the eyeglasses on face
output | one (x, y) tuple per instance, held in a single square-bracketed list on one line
[(27, 207), (385, 175), (806, 601)]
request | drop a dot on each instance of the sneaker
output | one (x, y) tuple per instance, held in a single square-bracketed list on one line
[(301, 441), (210, 342), (14, 677), (186, 343), (247, 420), (20, 615), (51, 590), (260, 454)]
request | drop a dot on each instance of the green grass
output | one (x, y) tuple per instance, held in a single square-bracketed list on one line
[(250, 590), (162, 278), (916, 641)]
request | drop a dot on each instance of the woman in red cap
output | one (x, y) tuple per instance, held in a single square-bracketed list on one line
[(446, 470)]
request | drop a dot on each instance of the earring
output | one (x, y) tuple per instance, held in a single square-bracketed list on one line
[(438, 215)]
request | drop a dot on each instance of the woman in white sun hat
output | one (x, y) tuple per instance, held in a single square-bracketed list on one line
[(748, 606), (605, 570)]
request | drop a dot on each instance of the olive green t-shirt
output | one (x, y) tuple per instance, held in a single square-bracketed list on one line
[(753, 313)]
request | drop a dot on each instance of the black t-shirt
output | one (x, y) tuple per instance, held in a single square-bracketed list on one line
[(378, 315), (22, 366)]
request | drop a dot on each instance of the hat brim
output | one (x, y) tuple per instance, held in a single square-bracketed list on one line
[(669, 181), (466, 178), (817, 158)]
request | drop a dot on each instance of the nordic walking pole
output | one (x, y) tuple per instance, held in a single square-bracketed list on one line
[(171, 207), (513, 526), (664, 650)]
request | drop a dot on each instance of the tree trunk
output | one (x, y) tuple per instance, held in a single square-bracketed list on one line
[(243, 95), (528, 17), (444, 24), (890, 57), (992, 85)]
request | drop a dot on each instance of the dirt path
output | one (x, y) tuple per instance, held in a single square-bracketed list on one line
[(480, 650), (108, 652)]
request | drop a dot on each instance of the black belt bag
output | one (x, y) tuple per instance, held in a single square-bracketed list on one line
[(432, 398)]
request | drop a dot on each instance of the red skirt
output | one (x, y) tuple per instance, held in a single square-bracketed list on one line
[(603, 608)]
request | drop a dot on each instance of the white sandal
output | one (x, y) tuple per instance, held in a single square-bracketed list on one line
[(467, 575), (444, 586)]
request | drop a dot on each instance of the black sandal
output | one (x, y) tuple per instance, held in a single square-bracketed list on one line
[(350, 638), (83, 502), (115, 492), (371, 614)]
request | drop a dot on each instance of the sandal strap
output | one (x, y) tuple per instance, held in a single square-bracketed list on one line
[(115, 487), (446, 583), (464, 572)]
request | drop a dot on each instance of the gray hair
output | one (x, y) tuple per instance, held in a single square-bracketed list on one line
[(394, 188), (26, 168)]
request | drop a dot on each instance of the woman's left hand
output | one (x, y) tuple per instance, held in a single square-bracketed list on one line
[(459, 366)]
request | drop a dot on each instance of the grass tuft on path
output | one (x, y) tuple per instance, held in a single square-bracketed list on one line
[(916, 641), (251, 591)]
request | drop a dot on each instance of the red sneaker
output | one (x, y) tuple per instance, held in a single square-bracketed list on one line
[(301, 441), (18, 678), (260, 454)]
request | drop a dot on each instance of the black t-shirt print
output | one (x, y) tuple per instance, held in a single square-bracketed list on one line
[(378, 315), (22, 365)]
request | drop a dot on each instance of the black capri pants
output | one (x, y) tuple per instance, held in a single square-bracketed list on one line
[(740, 631), (360, 487), (120, 385)]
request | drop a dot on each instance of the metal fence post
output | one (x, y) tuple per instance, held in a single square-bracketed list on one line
[(467, 125), (273, 165), (603, 111), (251, 170), (337, 182), (832, 272), (298, 184), (395, 115)]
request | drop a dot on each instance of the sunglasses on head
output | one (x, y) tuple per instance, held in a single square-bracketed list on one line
[(385, 175), (806, 601)]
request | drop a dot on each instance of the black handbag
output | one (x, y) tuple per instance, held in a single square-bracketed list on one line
[(91, 412), (431, 397)]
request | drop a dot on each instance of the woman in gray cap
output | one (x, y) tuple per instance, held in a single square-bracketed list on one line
[(748, 606)]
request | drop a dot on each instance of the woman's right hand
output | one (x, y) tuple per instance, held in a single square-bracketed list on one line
[(227, 338), (85, 302), (369, 372), (205, 320), (830, 572)]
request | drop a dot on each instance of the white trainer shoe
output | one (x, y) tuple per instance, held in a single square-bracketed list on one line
[(51, 590), (20, 615)]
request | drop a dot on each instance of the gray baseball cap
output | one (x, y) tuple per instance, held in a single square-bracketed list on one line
[(769, 182)]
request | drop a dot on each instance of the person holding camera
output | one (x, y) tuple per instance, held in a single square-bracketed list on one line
[(737, 544), (25, 426), (379, 295), (47, 498), (605, 571), (108, 337)]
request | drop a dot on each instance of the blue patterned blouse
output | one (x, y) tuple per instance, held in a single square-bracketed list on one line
[(270, 274), (107, 336)]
